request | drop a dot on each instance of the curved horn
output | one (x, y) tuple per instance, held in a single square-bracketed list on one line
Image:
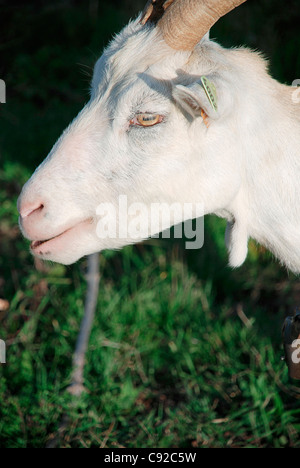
[(154, 10), (184, 22)]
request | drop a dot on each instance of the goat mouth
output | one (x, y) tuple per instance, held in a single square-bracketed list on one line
[(34, 245), (45, 247)]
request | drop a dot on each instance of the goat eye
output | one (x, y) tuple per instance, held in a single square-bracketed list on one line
[(146, 120)]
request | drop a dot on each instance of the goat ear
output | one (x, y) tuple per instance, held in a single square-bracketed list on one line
[(198, 97)]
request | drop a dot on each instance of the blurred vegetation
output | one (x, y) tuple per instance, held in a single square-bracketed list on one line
[(185, 352)]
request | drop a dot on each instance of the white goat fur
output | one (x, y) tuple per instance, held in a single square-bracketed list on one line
[(244, 167)]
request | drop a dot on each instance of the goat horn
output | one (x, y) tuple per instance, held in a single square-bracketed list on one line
[(185, 22), (154, 10)]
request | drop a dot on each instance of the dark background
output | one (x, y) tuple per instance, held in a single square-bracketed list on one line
[(48, 51)]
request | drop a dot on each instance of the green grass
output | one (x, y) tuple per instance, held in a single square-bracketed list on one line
[(170, 362)]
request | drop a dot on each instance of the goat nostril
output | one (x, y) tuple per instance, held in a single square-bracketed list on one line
[(29, 210)]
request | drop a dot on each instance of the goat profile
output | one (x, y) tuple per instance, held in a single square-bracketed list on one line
[(173, 117)]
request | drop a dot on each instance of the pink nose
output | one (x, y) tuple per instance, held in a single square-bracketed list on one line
[(31, 219), (29, 209)]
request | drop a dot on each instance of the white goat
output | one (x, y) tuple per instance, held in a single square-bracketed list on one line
[(154, 132)]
